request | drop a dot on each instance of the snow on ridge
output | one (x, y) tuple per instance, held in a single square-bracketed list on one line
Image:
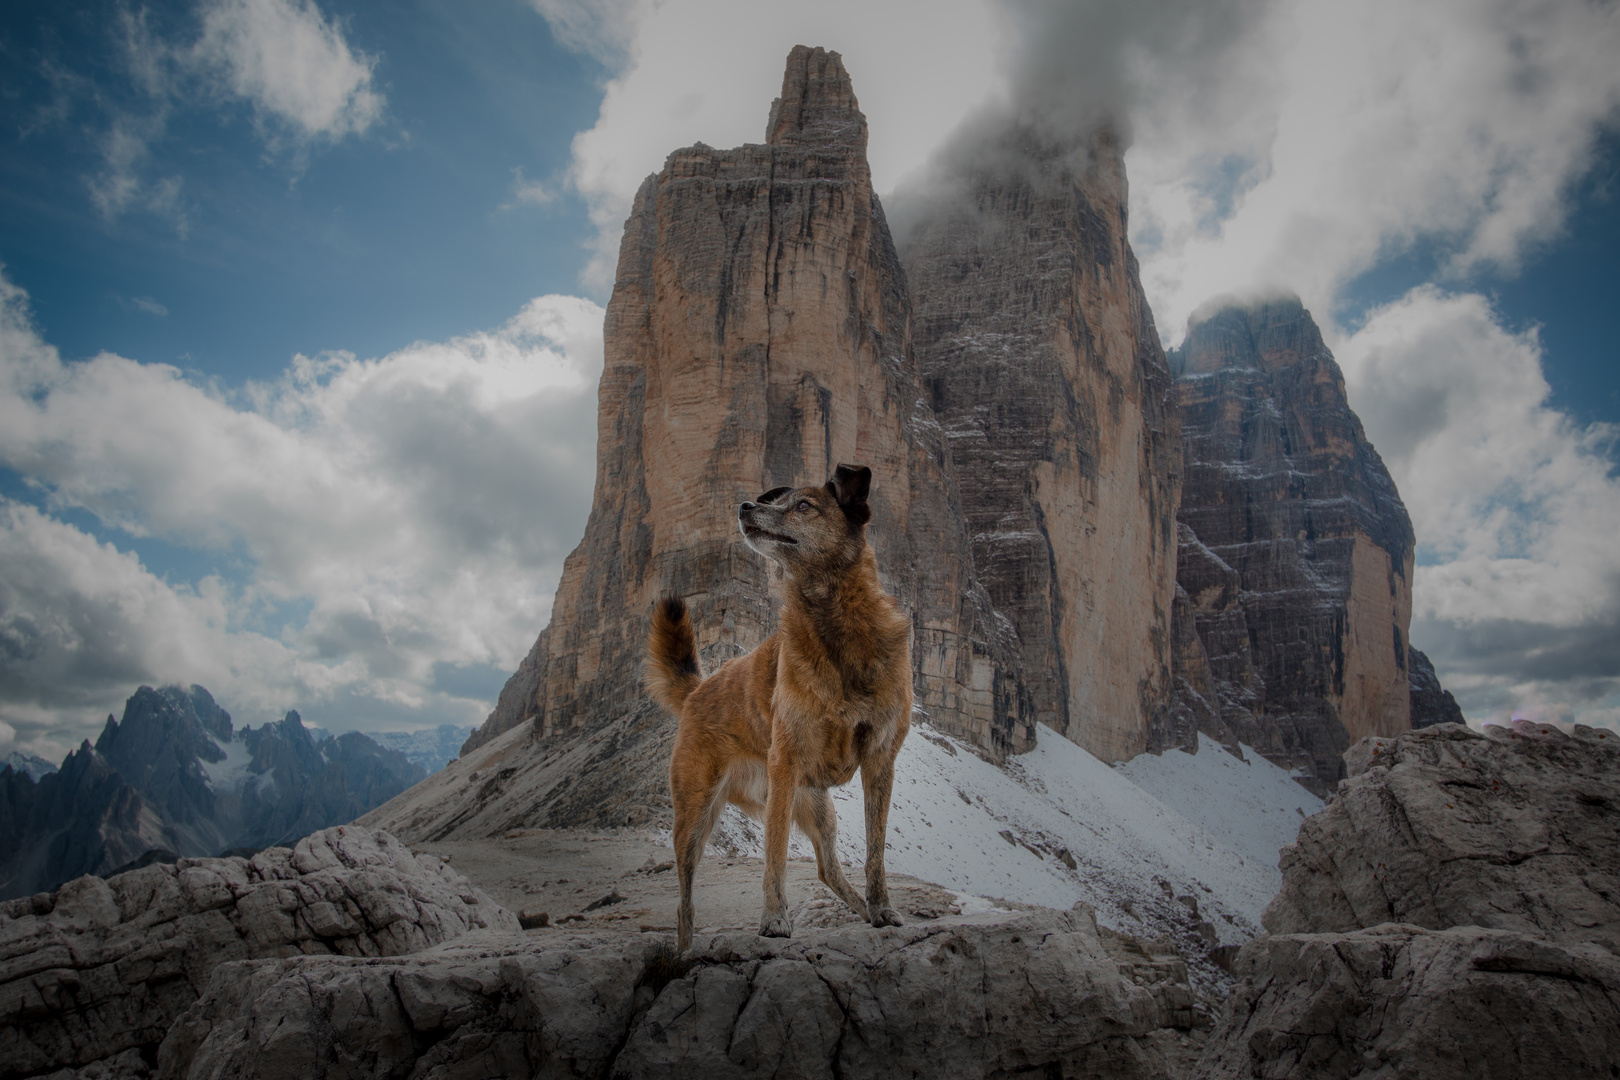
[(229, 773), (1150, 842)]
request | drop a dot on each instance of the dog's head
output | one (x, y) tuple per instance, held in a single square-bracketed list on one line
[(811, 528)]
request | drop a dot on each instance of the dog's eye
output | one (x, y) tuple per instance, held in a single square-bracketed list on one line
[(804, 504)]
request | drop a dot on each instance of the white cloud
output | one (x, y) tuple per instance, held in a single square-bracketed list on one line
[(417, 507), (707, 70), (529, 192), (292, 63), (602, 29), (1515, 506), (1349, 132)]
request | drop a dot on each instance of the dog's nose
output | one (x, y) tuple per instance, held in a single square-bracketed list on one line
[(744, 508)]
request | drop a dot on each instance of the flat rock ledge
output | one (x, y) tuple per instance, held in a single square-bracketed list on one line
[(93, 975), (1036, 994), (1401, 1001), (1516, 829)]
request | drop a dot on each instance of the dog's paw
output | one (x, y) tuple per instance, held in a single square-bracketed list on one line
[(887, 916), (775, 926)]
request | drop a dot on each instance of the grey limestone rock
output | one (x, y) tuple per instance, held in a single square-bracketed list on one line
[(1033, 995), (101, 968), (1442, 827), (1045, 369), (1400, 1002), (1298, 569)]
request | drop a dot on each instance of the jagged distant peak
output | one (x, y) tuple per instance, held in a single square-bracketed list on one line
[(26, 764)]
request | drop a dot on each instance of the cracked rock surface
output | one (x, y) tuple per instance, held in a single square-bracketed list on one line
[(1035, 993), (92, 976), (1517, 830), (1400, 1001)]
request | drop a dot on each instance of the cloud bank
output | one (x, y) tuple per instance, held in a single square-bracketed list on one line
[(385, 527)]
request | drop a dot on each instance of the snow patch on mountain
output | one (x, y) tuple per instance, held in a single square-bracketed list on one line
[(1181, 844)]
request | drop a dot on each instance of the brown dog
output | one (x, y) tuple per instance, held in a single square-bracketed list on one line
[(830, 691)]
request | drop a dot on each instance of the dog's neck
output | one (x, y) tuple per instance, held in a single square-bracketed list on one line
[(848, 615)]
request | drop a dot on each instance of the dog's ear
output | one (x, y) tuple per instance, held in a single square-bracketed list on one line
[(850, 485), (773, 494)]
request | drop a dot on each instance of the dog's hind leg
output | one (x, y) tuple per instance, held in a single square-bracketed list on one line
[(696, 812), (814, 813), (877, 783)]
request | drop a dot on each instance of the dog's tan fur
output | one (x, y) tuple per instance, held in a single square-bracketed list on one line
[(826, 694)]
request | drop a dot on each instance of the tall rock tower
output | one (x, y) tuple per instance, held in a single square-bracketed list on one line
[(1296, 553), (1043, 364), (759, 334)]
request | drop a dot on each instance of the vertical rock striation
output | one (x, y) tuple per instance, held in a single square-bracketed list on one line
[(758, 334), (1296, 557), (1043, 364)]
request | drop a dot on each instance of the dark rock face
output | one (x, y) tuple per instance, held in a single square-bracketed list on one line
[(758, 335), (95, 974), (1431, 703), (1036, 995), (1043, 364), (1443, 827), (1401, 1001), (174, 777), (160, 747), (1299, 563), (82, 819)]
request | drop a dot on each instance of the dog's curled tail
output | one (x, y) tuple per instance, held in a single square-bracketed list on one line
[(672, 662)]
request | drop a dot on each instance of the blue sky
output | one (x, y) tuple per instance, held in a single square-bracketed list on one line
[(302, 302)]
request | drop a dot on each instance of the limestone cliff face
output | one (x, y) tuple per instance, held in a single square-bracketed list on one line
[(1044, 366), (1297, 554), (758, 334)]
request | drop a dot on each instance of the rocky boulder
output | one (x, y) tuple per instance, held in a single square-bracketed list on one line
[(1402, 1001), (1517, 829), (101, 968), (1036, 994)]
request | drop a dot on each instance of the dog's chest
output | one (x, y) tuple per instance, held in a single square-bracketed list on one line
[(838, 743)]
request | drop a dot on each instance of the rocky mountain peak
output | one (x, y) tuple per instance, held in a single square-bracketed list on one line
[(817, 104), (1266, 335), (1044, 366), (1296, 562)]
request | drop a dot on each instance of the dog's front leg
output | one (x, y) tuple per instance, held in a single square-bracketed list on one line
[(877, 783), (778, 818)]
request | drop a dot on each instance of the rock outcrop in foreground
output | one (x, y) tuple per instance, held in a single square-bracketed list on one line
[(1036, 995), (1296, 561), (99, 970), (1399, 1001), (1453, 912), (1517, 829)]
